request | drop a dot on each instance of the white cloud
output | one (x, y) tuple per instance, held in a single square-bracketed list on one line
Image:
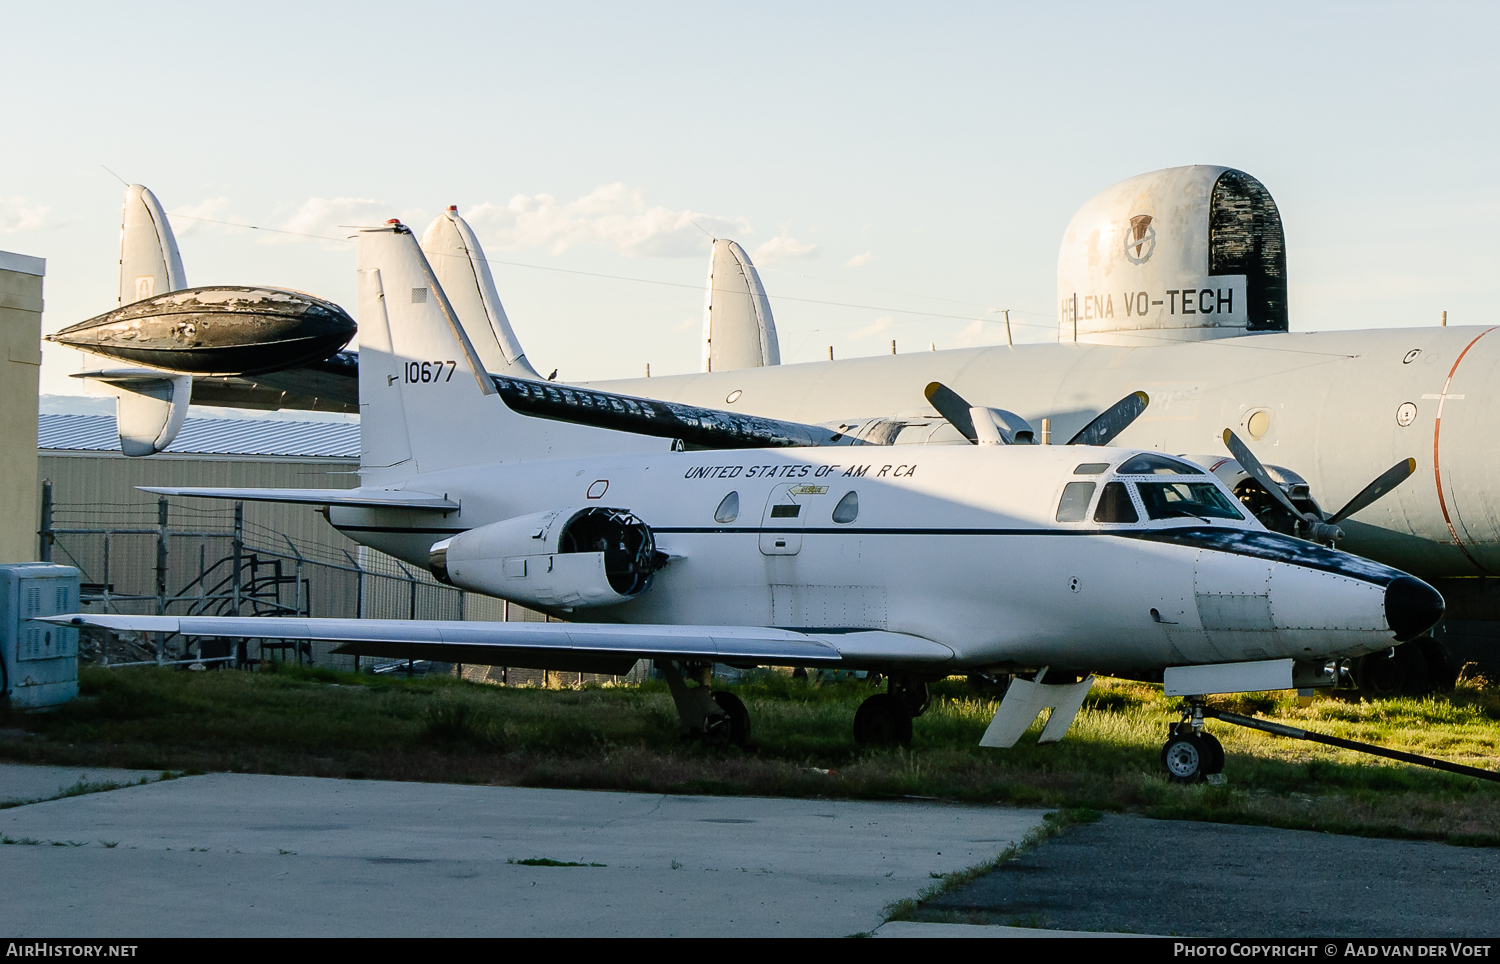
[(977, 333), (329, 218), (784, 248), (17, 215), (188, 220), (883, 323), (859, 259), (612, 216)]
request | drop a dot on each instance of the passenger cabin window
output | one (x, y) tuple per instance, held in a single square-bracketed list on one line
[(1179, 500), (1158, 465), (729, 509), (847, 510), (785, 511), (1076, 497), (1115, 505), (1091, 468)]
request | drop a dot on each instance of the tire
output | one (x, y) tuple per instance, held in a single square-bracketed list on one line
[(882, 721), (1404, 674), (1215, 763), (1185, 758), (738, 724)]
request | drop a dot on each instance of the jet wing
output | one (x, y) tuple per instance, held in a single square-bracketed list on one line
[(330, 385), (366, 498), (549, 645)]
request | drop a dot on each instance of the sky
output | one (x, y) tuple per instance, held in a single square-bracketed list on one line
[(896, 171)]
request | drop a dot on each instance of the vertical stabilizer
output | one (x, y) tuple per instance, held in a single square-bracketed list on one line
[(425, 401), (738, 330), (458, 261), (149, 261)]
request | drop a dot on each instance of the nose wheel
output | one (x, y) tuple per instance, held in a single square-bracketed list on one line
[(1191, 753)]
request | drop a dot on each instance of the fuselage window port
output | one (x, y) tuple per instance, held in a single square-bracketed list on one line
[(729, 509), (847, 510), (1115, 505), (1075, 501), (1091, 468), (785, 511)]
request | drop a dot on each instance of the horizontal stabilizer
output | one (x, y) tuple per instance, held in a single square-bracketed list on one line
[(530, 644), (707, 428), (367, 498)]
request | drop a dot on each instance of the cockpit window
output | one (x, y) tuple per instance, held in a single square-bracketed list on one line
[(1158, 465), (1092, 468), (1076, 497), (847, 510), (1115, 505), (729, 509), (1186, 500)]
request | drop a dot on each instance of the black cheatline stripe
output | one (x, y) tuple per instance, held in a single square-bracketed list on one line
[(844, 530), (1270, 546)]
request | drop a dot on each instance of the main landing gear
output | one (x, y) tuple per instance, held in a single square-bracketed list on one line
[(1191, 753), (885, 718), (715, 716)]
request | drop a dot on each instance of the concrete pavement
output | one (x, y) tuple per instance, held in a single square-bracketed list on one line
[(253, 855)]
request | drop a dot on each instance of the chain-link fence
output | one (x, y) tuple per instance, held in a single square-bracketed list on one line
[(194, 560)]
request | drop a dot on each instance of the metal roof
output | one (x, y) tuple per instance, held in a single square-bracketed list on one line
[(209, 436)]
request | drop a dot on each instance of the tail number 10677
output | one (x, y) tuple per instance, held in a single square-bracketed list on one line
[(425, 371)]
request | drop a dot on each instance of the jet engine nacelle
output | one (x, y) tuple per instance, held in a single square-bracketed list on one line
[(563, 559)]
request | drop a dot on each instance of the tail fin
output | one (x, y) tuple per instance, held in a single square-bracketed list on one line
[(149, 261), (458, 261), (426, 403), (148, 411), (738, 330)]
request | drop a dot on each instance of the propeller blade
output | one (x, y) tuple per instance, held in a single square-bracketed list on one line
[(951, 406), (1388, 480), (1258, 472), (1112, 421)]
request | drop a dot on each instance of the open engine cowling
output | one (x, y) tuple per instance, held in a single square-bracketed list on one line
[(565, 558)]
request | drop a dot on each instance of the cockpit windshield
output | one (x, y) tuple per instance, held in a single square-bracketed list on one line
[(1186, 500)]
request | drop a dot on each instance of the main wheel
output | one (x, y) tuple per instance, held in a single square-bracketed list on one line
[(737, 726), (1185, 757), (881, 721), (1215, 751)]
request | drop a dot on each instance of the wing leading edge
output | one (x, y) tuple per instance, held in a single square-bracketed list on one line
[(552, 645)]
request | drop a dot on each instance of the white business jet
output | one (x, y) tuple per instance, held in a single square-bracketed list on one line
[(726, 538)]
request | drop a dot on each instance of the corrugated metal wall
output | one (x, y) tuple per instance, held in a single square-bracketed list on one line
[(97, 490)]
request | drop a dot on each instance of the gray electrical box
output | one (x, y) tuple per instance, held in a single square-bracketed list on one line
[(40, 659)]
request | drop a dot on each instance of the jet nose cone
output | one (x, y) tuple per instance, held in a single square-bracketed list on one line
[(1411, 607)]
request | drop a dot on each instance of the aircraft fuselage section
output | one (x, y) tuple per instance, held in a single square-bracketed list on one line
[(961, 545)]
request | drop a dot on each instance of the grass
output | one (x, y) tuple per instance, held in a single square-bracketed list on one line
[(323, 723)]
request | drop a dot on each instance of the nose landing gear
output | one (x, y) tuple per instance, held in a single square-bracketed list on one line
[(1191, 753)]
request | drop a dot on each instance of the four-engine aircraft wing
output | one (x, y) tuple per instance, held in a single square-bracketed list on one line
[(707, 428), (583, 647)]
